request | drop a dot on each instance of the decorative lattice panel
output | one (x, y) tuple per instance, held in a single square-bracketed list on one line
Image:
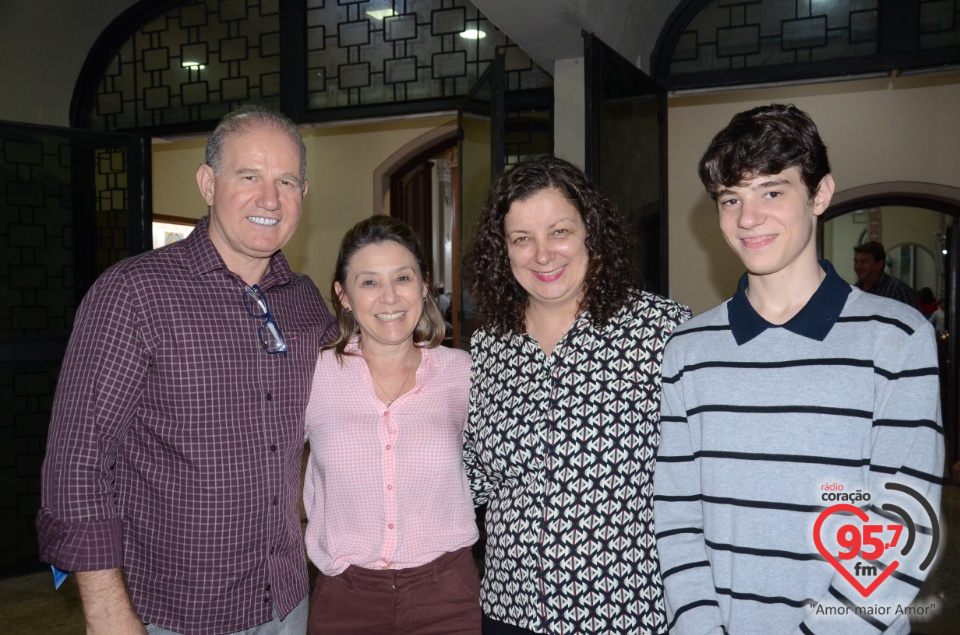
[(195, 62), (744, 34), (110, 177), (367, 52), (63, 210), (203, 58), (36, 236), (939, 24), (36, 284)]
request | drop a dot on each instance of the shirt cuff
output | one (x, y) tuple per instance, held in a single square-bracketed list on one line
[(80, 545)]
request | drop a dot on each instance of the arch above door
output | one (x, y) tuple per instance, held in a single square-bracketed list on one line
[(934, 196), (404, 155)]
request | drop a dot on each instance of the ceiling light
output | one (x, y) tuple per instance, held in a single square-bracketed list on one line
[(380, 14), (194, 66), (473, 34)]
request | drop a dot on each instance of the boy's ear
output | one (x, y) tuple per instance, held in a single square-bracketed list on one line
[(821, 200)]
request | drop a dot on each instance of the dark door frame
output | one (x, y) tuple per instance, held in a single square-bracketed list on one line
[(485, 99), (608, 77), (83, 197), (951, 402)]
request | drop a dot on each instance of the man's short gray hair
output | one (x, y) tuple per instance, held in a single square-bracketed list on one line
[(246, 119)]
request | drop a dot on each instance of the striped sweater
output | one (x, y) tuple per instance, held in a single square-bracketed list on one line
[(764, 427)]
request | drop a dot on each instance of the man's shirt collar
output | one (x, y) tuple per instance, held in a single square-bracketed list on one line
[(203, 257), (814, 320)]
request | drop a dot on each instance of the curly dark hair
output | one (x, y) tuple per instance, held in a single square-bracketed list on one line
[(610, 278), (765, 140), (377, 230)]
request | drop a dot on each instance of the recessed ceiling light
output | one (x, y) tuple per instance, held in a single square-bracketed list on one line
[(194, 66), (380, 14), (472, 34)]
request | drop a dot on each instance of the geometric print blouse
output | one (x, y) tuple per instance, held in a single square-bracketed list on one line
[(562, 450)]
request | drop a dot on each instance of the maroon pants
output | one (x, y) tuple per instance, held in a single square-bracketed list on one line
[(439, 598)]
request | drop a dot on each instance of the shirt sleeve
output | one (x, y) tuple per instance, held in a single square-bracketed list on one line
[(101, 380), (481, 483), (691, 598), (907, 449), (328, 324)]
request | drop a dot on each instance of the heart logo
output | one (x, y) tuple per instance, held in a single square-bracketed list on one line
[(845, 507)]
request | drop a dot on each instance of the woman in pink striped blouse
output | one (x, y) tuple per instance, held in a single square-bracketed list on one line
[(390, 515)]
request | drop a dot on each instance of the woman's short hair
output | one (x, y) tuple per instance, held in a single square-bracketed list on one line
[(610, 278), (377, 230), (765, 140)]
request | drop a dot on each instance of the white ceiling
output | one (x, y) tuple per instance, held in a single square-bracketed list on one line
[(549, 30)]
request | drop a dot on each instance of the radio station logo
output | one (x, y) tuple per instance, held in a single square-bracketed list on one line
[(863, 543)]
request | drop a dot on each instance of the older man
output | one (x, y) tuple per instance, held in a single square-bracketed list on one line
[(869, 260), (171, 481)]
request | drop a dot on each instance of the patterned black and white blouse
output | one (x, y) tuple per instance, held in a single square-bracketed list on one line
[(562, 450)]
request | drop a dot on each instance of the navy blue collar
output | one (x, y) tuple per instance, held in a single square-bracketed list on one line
[(814, 320)]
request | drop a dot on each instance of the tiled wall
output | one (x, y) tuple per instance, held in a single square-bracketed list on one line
[(58, 188), (26, 395)]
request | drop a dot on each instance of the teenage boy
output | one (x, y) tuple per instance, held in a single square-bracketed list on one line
[(797, 393)]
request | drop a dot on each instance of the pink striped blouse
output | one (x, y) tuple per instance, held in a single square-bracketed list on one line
[(385, 487)]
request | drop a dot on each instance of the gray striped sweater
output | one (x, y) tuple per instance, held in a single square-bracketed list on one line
[(761, 427)]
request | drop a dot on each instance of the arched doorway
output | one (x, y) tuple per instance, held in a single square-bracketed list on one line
[(417, 185), (919, 223)]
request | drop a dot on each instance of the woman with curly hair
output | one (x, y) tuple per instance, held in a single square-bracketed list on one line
[(564, 409)]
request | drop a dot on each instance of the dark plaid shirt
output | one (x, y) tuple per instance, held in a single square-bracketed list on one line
[(890, 287), (175, 444)]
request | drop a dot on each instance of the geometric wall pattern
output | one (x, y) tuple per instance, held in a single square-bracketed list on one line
[(743, 34), (111, 212), (363, 52), (527, 135), (939, 24), (36, 284), (27, 394), (202, 58), (47, 239), (730, 35), (194, 62), (36, 235)]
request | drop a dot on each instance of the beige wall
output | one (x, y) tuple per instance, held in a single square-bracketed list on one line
[(569, 111), (876, 130), (903, 129), (175, 191), (340, 164)]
